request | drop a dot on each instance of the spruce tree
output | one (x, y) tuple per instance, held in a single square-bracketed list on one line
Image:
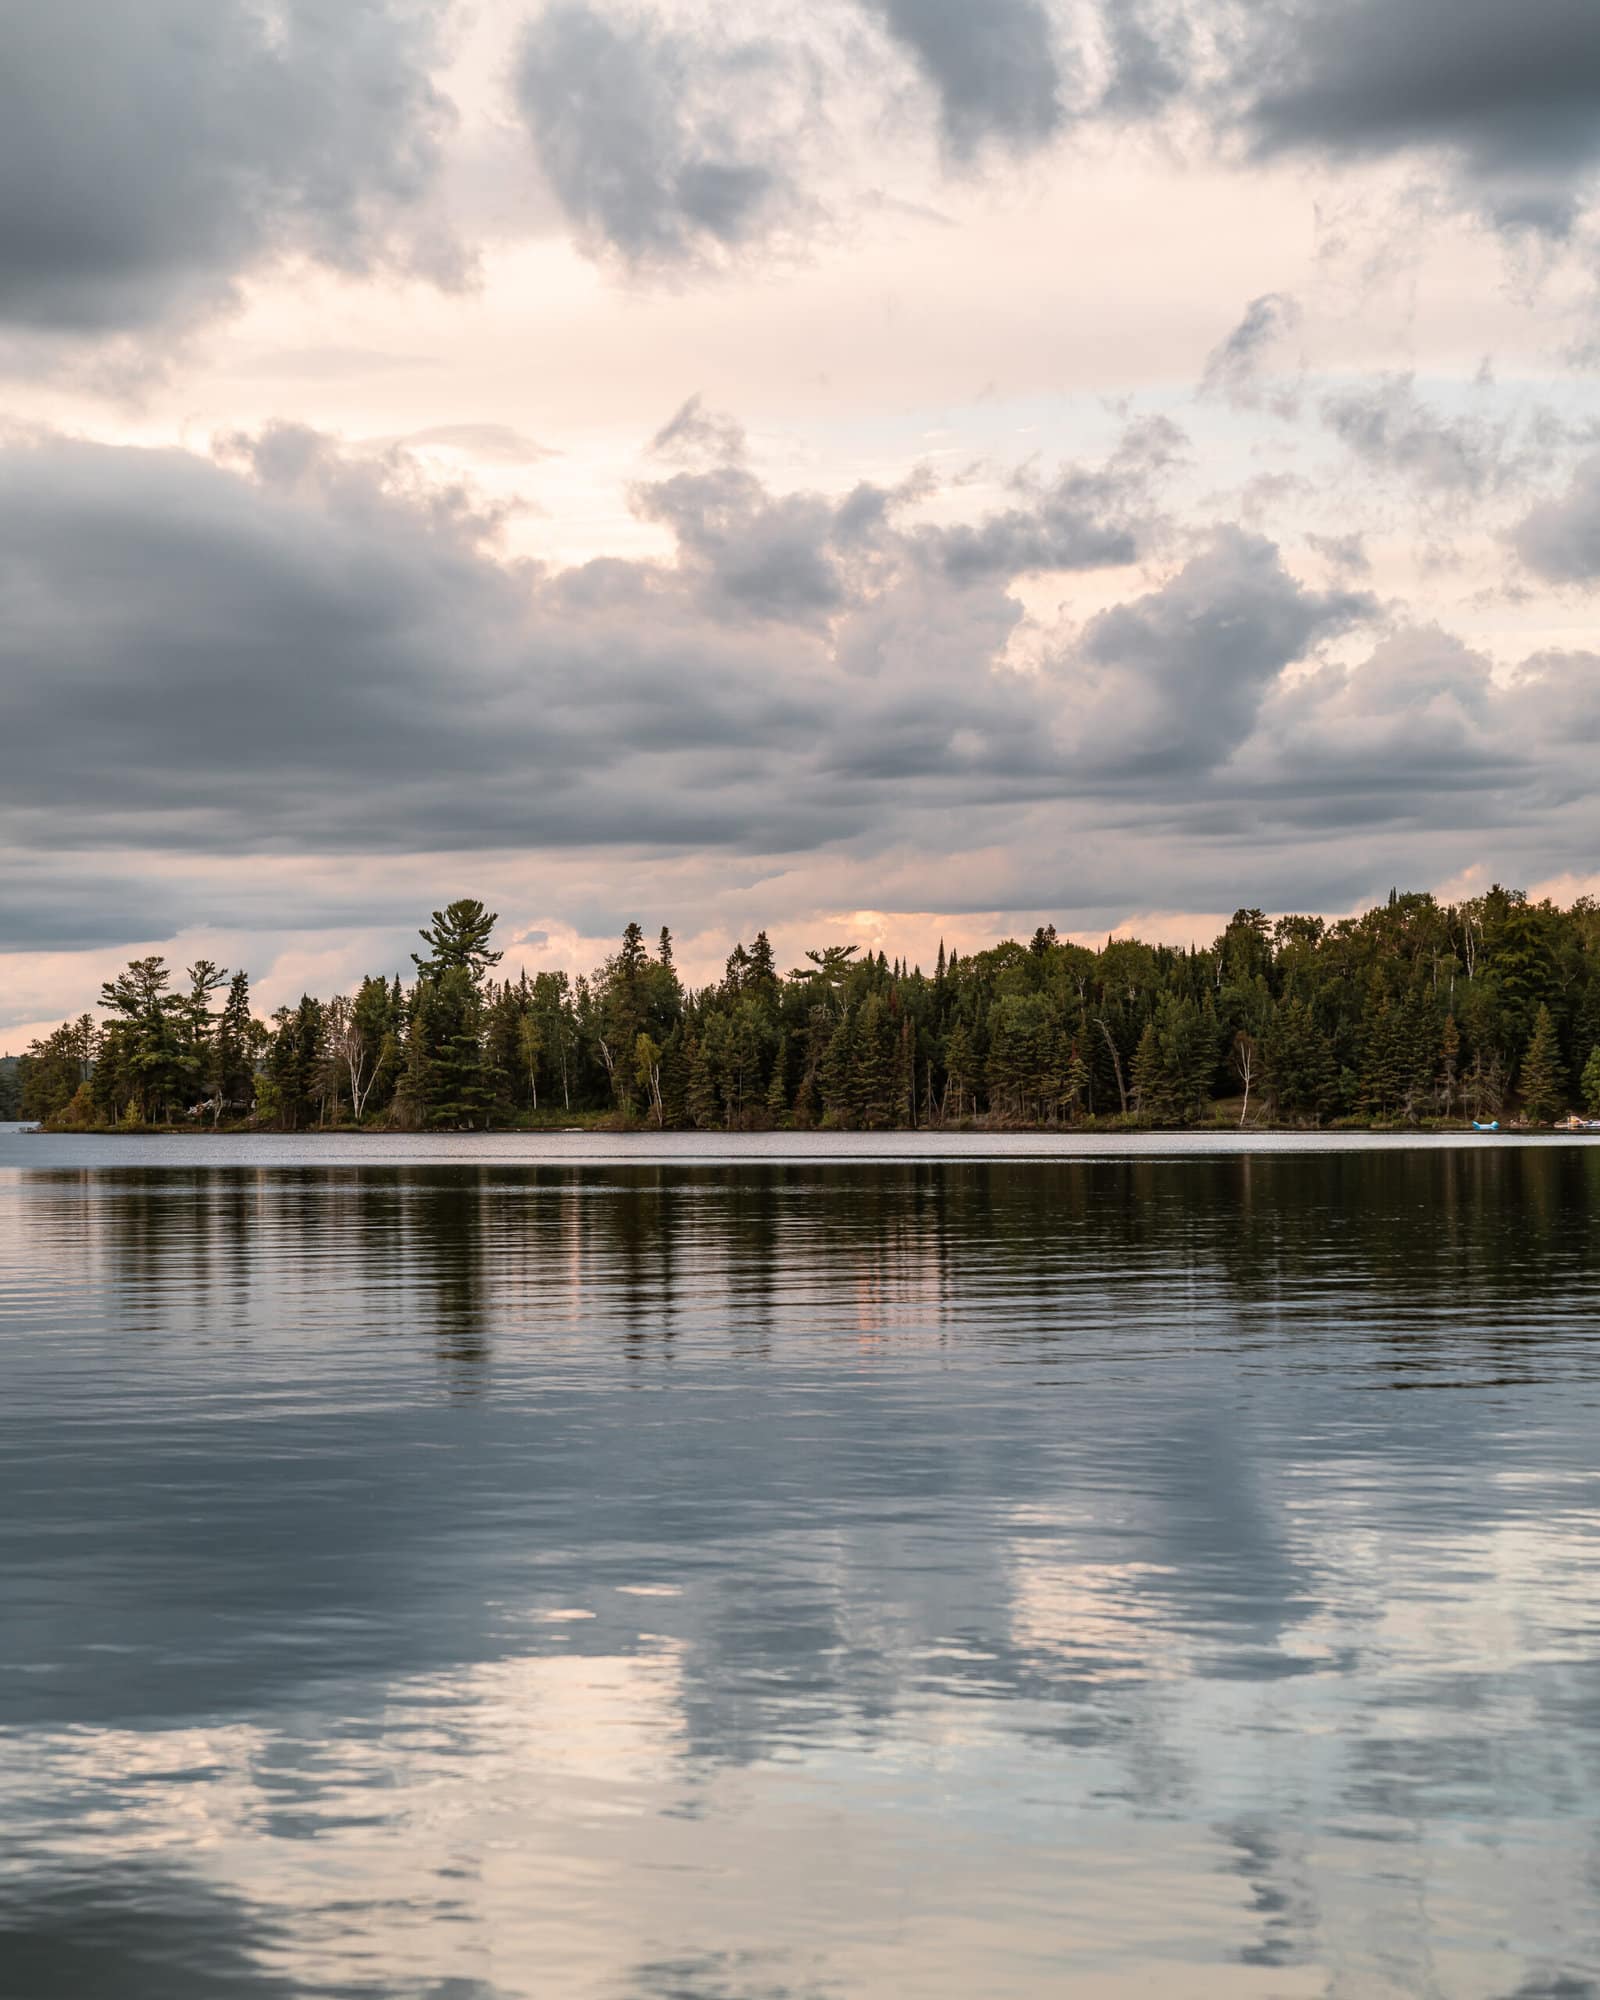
[(762, 974), (872, 1087), (961, 1071), (700, 1093), (1298, 1064), (777, 1087), (232, 1060), (837, 1075), (1542, 1081), (1151, 1093), (1074, 1081)]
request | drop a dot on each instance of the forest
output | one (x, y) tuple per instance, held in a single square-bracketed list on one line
[(1413, 1013)]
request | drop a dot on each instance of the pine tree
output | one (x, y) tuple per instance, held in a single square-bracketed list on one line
[(837, 1075), (232, 1077), (458, 937), (961, 1071), (700, 1094), (762, 974), (777, 1087), (873, 1079), (1297, 1063), (1075, 1081), (1151, 1089), (1449, 1064), (1591, 1082), (1384, 1067), (736, 972), (1542, 1080)]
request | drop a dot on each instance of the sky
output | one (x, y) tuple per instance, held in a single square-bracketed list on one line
[(878, 469)]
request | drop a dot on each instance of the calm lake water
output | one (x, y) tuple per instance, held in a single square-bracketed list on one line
[(690, 1570)]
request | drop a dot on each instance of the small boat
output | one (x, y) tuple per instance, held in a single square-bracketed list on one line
[(1492, 1126)]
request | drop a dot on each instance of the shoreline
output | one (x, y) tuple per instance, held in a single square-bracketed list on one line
[(651, 1134)]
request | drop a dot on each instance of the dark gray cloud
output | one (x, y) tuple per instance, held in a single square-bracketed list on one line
[(996, 68), (1511, 94), (1559, 539), (1149, 55), (304, 653), (778, 557), (1178, 676), (153, 151), (1088, 517), (664, 148)]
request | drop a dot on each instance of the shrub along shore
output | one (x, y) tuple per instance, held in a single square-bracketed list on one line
[(1414, 1014)]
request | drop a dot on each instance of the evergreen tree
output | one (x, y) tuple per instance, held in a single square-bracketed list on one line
[(702, 1098), (463, 1085), (872, 1088), (232, 1079), (762, 975), (778, 1086), (149, 1051), (647, 1072), (1152, 1090), (1298, 1064), (837, 1076), (1075, 1081), (1591, 1082), (458, 940), (1542, 1080), (195, 1026), (962, 1072)]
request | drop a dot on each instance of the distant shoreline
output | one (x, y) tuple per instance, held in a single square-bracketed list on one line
[(1111, 1130)]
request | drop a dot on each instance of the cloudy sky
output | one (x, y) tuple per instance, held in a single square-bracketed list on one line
[(877, 468)]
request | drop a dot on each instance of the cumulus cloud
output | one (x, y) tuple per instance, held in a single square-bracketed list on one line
[(1175, 678), (1088, 517), (299, 654), (1510, 95), (1559, 539), (1417, 730), (664, 148), (152, 152), (995, 69), (1149, 53)]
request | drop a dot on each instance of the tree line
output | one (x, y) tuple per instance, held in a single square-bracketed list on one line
[(1412, 1012)]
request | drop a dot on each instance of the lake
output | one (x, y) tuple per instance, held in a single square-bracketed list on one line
[(690, 1569)]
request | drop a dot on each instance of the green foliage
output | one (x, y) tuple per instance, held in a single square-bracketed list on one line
[(1542, 1080), (1411, 1011), (1301, 1077), (458, 940)]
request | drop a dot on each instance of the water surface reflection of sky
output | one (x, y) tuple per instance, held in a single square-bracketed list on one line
[(642, 1577)]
